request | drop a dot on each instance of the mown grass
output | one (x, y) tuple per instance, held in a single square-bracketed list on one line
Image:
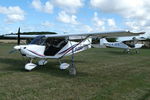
[(102, 74)]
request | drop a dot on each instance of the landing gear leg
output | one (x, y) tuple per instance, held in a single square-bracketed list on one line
[(136, 51), (42, 62), (31, 60)]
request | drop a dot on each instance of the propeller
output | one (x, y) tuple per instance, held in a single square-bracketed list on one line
[(12, 51), (18, 42), (19, 36)]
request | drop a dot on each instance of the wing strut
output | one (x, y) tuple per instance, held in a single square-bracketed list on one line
[(72, 68)]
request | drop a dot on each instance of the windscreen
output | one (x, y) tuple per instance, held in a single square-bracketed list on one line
[(39, 40)]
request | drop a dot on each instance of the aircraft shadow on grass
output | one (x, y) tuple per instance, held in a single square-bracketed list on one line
[(118, 52), (14, 64), (50, 68), (145, 96)]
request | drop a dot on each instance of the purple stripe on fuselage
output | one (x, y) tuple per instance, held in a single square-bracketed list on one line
[(36, 53), (67, 50)]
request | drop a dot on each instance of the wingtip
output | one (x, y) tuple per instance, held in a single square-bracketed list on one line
[(137, 32)]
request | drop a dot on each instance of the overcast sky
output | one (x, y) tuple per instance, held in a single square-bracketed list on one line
[(74, 16)]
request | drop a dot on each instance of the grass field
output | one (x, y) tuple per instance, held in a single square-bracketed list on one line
[(102, 74)]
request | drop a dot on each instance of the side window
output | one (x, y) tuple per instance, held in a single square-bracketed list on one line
[(54, 45)]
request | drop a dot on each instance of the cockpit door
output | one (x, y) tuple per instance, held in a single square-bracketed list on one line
[(54, 45)]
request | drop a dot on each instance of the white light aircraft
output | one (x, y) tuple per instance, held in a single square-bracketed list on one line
[(58, 46), (127, 48)]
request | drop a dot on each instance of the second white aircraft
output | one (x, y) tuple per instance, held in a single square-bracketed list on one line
[(127, 48)]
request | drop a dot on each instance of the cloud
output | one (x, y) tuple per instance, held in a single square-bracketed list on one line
[(37, 4), (46, 24), (66, 18), (87, 28), (47, 7), (82, 28), (134, 12), (111, 22), (98, 23), (69, 6), (123, 7), (13, 14), (103, 24)]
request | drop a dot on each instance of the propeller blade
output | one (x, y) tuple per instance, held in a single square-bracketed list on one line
[(12, 51), (19, 36)]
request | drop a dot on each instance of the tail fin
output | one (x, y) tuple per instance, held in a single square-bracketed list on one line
[(103, 41)]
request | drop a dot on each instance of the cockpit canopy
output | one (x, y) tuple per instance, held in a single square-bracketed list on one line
[(39, 40), (52, 45), (42, 40)]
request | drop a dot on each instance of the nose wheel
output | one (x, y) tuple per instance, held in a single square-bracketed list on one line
[(30, 66)]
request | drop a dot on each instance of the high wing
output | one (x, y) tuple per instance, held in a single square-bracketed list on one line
[(82, 35), (16, 36), (100, 34)]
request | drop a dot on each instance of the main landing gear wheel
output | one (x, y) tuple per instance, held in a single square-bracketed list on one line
[(30, 66), (64, 66), (72, 70)]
